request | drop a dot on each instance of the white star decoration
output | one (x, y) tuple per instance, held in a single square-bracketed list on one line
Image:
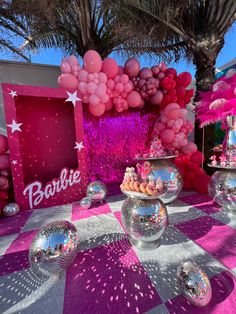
[(73, 98), (15, 126), (79, 146), (14, 162), (13, 93)]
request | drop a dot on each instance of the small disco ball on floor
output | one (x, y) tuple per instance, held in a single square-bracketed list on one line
[(54, 247), (11, 209), (97, 191)]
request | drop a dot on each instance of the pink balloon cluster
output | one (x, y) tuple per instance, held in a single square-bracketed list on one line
[(173, 129), (4, 170), (103, 84), (220, 101)]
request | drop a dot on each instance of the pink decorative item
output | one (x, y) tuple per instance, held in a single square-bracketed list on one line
[(132, 67), (110, 67), (133, 99), (45, 134), (68, 81), (223, 160), (4, 161), (92, 61), (3, 144)]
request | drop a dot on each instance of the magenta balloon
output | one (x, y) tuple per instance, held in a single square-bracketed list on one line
[(184, 79), (134, 99), (189, 148), (167, 136), (83, 76), (65, 67), (68, 81), (4, 161), (157, 98), (91, 87), (102, 78), (110, 67), (172, 114), (109, 104), (160, 126), (124, 78), (110, 84), (94, 100), (145, 73), (132, 67), (3, 144), (72, 60), (162, 66), (98, 110), (92, 61)]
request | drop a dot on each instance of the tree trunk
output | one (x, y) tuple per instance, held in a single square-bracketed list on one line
[(205, 76)]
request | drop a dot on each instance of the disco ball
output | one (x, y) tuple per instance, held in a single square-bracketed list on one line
[(85, 202), (194, 283), (11, 209), (54, 247), (222, 188), (170, 176), (145, 221), (96, 191)]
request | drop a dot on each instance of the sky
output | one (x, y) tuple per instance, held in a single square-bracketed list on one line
[(54, 56)]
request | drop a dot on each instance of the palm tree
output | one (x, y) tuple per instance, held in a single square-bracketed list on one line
[(13, 28), (193, 29)]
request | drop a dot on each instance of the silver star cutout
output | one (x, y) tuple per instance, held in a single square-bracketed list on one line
[(15, 126), (13, 93), (14, 162), (79, 146), (73, 98)]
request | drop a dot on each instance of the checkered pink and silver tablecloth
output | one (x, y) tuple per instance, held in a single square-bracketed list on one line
[(108, 275)]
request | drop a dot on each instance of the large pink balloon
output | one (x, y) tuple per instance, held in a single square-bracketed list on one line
[(110, 67), (132, 67), (68, 81), (98, 110), (189, 148), (3, 144), (4, 161), (92, 61), (72, 60), (134, 99), (157, 98), (167, 136)]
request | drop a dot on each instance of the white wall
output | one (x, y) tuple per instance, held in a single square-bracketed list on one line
[(25, 74)]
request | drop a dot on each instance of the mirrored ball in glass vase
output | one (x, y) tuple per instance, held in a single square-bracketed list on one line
[(222, 188), (145, 222), (171, 177), (54, 247), (97, 191)]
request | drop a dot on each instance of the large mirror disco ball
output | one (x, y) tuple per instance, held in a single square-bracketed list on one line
[(171, 177), (54, 247), (222, 188), (145, 221), (97, 191)]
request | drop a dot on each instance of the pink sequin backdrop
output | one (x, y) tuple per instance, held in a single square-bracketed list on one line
[(113, 140)]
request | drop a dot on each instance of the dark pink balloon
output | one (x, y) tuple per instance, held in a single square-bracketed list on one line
[(184, 79), (145, 73), (171, 72), (72, 60), (167, 136), (157, 98), (155, 70), (3, 144), (92, 61), (68, 81), (109, 104), (4, 183), (110, 67), (65, 67), (132, 67), (120, 70), (4, 161), (134, 99)]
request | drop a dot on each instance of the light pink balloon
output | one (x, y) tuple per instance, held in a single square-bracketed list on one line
[(132, 67), (97, 110), (82, 87), (171, 106), (161, 75), (65, 67), (167, 136), (105, 98), (94, 100), (157, 98), (134, 99), (75, 68), (92, 61), (189, 148), (101, 90), (83, 76), (102, 78), (72, 60), (124, 78), (68, 81), (119, 87), (110, 84), (128, 87), (85, 98), (172, 114), (91, 87), (110, 67), (108, 105), (90, 77)]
